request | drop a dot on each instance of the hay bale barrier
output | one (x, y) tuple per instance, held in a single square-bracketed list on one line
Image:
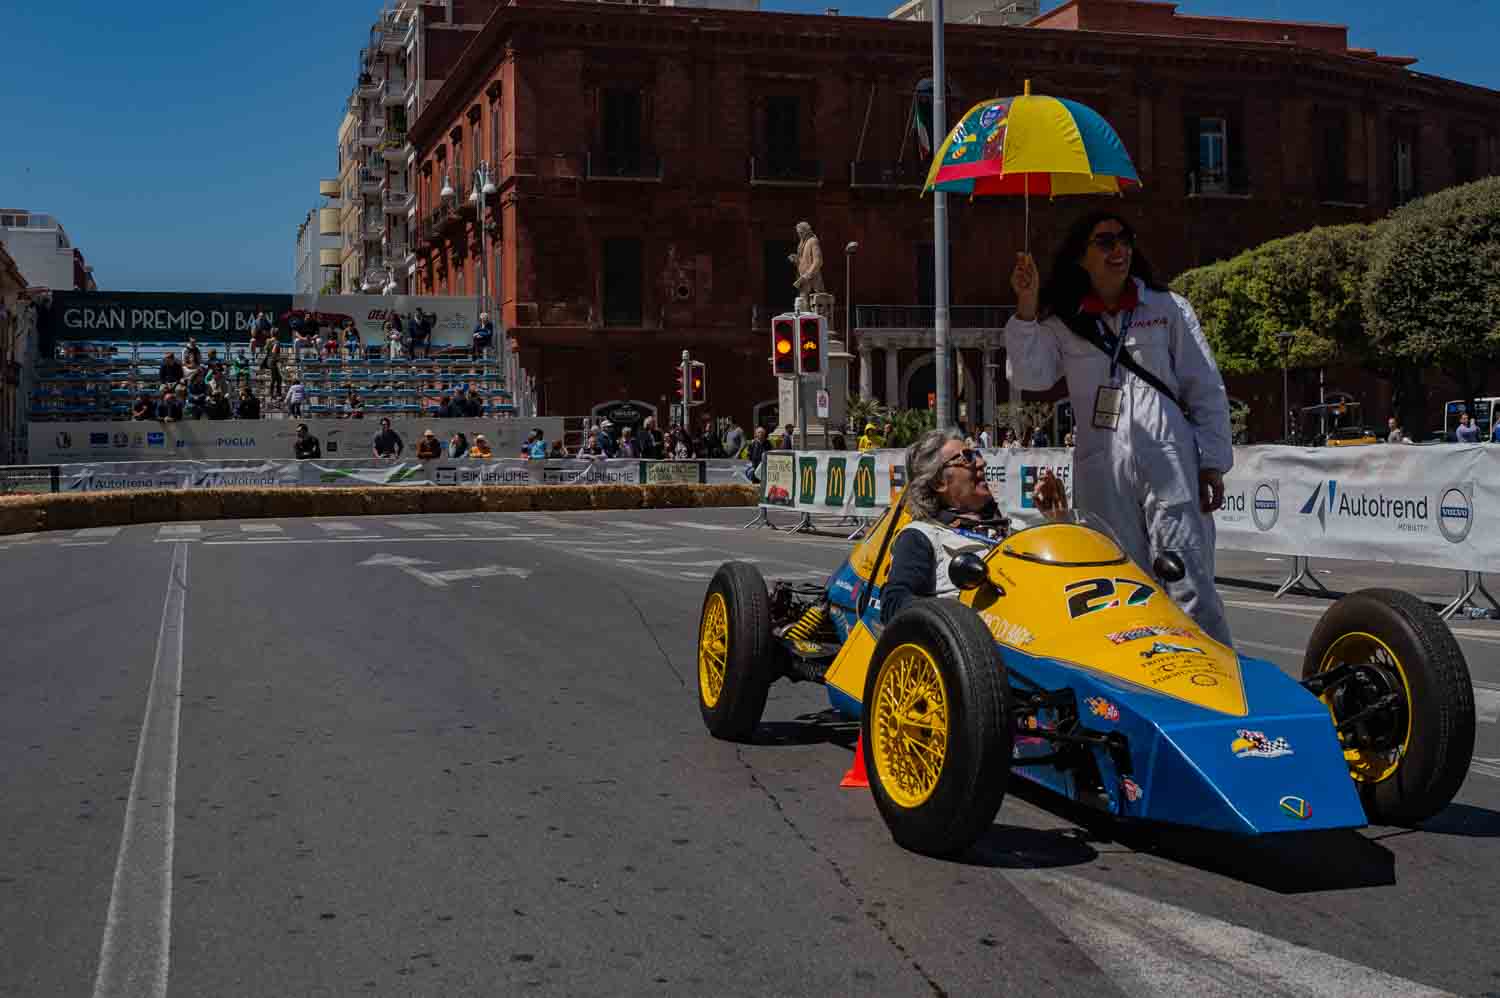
[(29, 514)]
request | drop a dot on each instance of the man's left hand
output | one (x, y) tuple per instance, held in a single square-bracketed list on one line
[(1210, 490)]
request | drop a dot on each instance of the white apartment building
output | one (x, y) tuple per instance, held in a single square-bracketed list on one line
[(42, 251)]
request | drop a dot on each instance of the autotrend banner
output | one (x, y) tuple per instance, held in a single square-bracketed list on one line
[(1397, 504), (105, 477)]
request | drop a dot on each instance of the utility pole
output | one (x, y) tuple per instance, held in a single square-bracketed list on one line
[(940, 220)]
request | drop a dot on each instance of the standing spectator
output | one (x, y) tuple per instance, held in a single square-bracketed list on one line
[(536, 445), (984, 437), (144, 408), (709, 445), (734, 439), (271, 363), (294, 397), (458, 446), (1467, 432), (870, 439), (306, 446), (393, 344), (387, 443), (1394, 434), (426, 325), (420, 332), (789, 437), (354, 347), (484, 335), (239, 367), (591, 447), (1039, 437), (1069, 440), (168, 410), (429, 448), (260, 332), (294, 323), (607, 438), (650, 440), (413, 331), (249, 407), (304, 342), (170, 371), (481, 447), (628, 445), (557, 450), (1494, 434)]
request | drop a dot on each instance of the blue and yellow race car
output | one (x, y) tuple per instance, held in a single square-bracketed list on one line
[(1064, 663)]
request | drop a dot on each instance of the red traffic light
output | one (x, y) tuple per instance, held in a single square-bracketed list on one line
[(783, 347), (810, 346), (697, 383)]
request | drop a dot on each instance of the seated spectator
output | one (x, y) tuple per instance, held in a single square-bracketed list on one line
[(294, 397), (429, 448), (419, 335), (535, 447), (393, 342), (458, 445), (306, 445), (353, 345), (191, 356), (680, 449), (331, 347), (218, 406), (484, 335), (144, 408), (198, 396), (213, 360), (170, 370), (354, 406), (191, 370), (168, 410), (240, 368), (473, 406), (387, 443), (249, 407), (481, 447), (443, 407), (458, 407), (557, 450)]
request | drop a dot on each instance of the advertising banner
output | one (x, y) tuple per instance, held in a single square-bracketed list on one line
[(203, 439), (1396, 504)]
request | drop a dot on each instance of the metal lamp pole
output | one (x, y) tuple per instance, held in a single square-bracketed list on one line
[(1285, 339), (940, 220)]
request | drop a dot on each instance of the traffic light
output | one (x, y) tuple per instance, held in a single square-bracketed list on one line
[(697, 383), (812, 336), (783, 346), (681, 388)]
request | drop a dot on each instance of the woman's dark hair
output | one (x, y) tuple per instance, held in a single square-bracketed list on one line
[(1068, 283)]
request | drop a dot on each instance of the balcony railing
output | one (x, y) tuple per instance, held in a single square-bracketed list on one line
[(374, 226), (622, 164), (394, 92), (396, 202), (369, 181), (1218, 183), (774, 170), (887, 175), (924, 316), (370, 84), (371, 135)]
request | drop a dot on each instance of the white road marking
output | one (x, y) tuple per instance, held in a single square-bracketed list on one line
[(703, 526), (1153, 948), (134, 957), (1486, 767), (415, 526), (679, 564), (482, 572), (172, 532), (581, 549), (83, 544), (440, 580), (1273, 649), (97, 532), (425, 538), (261, 528), (634, 525), (543, 520), (339, 527), (489, 525)]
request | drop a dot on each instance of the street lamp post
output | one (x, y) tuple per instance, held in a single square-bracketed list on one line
[(1285, 339), (849, 251), (484, 187), (940, 221)]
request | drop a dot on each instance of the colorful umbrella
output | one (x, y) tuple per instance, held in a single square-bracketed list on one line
[(1031, 145)]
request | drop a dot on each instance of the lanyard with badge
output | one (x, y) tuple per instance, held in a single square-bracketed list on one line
[(1109, 402)]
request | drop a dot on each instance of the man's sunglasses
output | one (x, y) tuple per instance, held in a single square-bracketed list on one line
[(1107, 241), (968, 456)]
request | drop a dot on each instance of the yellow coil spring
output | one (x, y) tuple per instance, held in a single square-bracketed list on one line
[(807, 625)]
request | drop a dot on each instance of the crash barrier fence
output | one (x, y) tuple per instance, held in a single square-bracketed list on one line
[(1421, 506), (28, 514), (106, 477)]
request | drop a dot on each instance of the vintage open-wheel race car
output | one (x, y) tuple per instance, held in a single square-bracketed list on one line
[(1064, 663)]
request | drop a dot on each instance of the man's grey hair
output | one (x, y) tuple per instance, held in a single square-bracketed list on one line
[(804, 229), (924, 472)]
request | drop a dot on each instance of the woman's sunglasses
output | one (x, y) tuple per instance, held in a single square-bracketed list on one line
[(1107, 241), (968, 456)]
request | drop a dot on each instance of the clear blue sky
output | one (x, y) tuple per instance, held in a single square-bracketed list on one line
[(180, 144)]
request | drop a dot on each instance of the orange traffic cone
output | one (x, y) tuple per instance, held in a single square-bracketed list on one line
[(856, 777)]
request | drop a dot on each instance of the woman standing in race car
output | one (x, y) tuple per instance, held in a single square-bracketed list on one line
[(952, 512), (1153, 438)]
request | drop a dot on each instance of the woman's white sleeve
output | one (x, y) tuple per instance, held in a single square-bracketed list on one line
[(1033, 360)]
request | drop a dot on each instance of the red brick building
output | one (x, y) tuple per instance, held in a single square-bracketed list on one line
[(651, 164)]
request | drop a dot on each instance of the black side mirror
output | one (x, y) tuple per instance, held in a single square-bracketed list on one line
[(1168, 567), (968, 571)]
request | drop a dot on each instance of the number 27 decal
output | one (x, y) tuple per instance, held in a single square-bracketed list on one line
[(1102, 594)]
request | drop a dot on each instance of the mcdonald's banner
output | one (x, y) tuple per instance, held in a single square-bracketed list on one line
[(1383, 503)]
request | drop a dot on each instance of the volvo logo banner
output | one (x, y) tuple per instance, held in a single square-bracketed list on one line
[(1265, 504), (1456, 512)]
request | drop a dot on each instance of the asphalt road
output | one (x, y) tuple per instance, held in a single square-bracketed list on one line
[(461, 756)]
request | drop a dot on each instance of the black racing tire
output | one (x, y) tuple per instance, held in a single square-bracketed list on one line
[(942, 809), (1404, 786), (742, 661)]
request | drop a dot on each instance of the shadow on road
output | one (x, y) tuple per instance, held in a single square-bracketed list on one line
[(1463, 820), (1012, 847), (822, 728)]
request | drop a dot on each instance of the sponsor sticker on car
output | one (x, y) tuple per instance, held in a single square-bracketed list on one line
[(1250, 744)]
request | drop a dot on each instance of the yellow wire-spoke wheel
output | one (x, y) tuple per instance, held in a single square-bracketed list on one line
[(1372, 755), (909, 727), (713, 649)]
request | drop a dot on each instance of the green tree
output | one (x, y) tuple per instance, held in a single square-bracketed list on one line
[(1431, 293)]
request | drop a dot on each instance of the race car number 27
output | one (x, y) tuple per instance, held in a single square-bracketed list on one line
[(1090, 595)]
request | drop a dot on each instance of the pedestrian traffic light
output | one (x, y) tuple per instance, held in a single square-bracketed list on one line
[(783, 346), (697, 383), (812, 337), (681, 388)]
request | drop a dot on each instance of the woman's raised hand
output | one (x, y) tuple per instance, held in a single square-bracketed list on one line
[(1026, 284)]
